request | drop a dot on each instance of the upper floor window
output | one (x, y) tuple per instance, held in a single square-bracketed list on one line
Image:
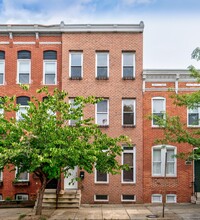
[(23, 67), (194, 117), (158, 109), (158, 160), (72, 122), (128, 157), (101, 177), (2, 67), (76, 65), (24, 176), (128, 65), (128, 112), (50, 67), (102, 65), (23, 106), (102, 112)]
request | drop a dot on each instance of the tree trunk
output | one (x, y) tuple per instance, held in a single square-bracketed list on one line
[(40, 196)]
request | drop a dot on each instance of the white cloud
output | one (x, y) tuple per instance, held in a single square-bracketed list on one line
[(132, 2)]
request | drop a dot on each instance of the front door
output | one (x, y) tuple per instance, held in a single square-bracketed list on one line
[(69, 183), (52, 184), (197, 175)]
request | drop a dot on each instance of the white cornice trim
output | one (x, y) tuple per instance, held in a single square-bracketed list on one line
[(50, 43), (4, 42), (23, 42)]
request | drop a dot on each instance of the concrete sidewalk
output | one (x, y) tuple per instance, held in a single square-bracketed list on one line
[(103, 212)]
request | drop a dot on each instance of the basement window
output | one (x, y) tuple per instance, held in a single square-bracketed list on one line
[(128, 198), (21, 197), (156, 198), (170, 198), (101, 198)]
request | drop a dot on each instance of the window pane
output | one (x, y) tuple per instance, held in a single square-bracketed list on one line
[(158, 105), (171, 198), (102, 71), (76, 71), (23, 176), (193, 110), (193, 119), (101, 197), (128, 105), (102, 59), (0, 175), (102, 119), (157, 168), (156, 155), (22, 110), (170, 155), (128, 119), (75, 59), (128, 197), (127, 59), (155, 120), (101, 177), (102, 106), (24, 67), (50, 67), (156, 198), (1, 78), (24, 78), (128, 159), (128, 175), (170, 168), (127, 71), (1, 67), (49, 79)]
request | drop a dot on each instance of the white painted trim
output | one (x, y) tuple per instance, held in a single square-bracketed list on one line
[(175, 196), (134, 112), (163, 149), (21, 180), (49, 61), (164, 106), (128, 200), (134, 62), (133, 151), (18, 64), (75, 52), (192, 126), (23, 42), (4, 42), (100, 182), (107, 54), (104, 113), (3, 62), (193, 84), (160, 195), (23, 195), (158, 84), (100, 200), (50, 43)]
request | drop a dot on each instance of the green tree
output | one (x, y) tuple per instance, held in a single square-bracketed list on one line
[(43, 143), (174, 128)]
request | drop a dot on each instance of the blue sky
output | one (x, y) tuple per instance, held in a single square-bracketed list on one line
[(171, 26)]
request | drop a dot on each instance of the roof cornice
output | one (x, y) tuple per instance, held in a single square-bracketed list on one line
[(67, 28)]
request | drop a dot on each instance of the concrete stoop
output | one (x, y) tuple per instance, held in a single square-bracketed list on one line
[(66, 199)]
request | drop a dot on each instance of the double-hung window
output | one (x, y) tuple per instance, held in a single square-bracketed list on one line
[(23, 106), (76, 65), (128, 112), (2, 67), (102, 65), (194, 117), (102, 112), (128, 65), (22, 177), (158, 110), (101, 177), (72, 122), (50, 67), (23, 67), (128, 158), (158, 160)]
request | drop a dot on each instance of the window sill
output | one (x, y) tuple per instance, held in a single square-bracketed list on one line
[(102, 78), (193, 126), (103, 126), (128, 78), (128, 126), (162, 177), (76, 78), (101, 183), (128, 183), (21, 183)]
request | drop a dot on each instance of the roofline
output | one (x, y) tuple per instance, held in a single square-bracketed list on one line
[(68, 28), (166, 71)]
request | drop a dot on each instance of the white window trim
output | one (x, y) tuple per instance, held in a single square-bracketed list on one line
[(134, 165), (128, 200), (107, 53), (134, 112), (164, 112), (175, 196), (101, 200), (18, 62), (108, 110), (1, 175), (160, 195), (17, 113), (192, 126), (70, 54), (134, 62), (163, 150), (49, 61), (3, 62), (21, 180), (23, 195), (70, 101), (100, 182)]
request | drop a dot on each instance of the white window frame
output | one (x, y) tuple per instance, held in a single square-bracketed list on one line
[(70, 58), (128, 200), (152, 112), (1, 176), (96, 63), (101, 200), (21, 180), (100, 182), (70, 101), (133, 151), (152, 198), (96, 113), (134, 112), (163, 150), (134, 62), (18, 113), (3, 62), (18, 73), (22, 195), (188, 111), (175, 198), (44, 64)]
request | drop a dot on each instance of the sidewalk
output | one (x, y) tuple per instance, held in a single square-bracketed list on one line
[(103, 212)]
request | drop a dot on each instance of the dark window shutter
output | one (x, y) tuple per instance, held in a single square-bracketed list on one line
[(2, 55), (24, 54), (50, 55), (23, 100)]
